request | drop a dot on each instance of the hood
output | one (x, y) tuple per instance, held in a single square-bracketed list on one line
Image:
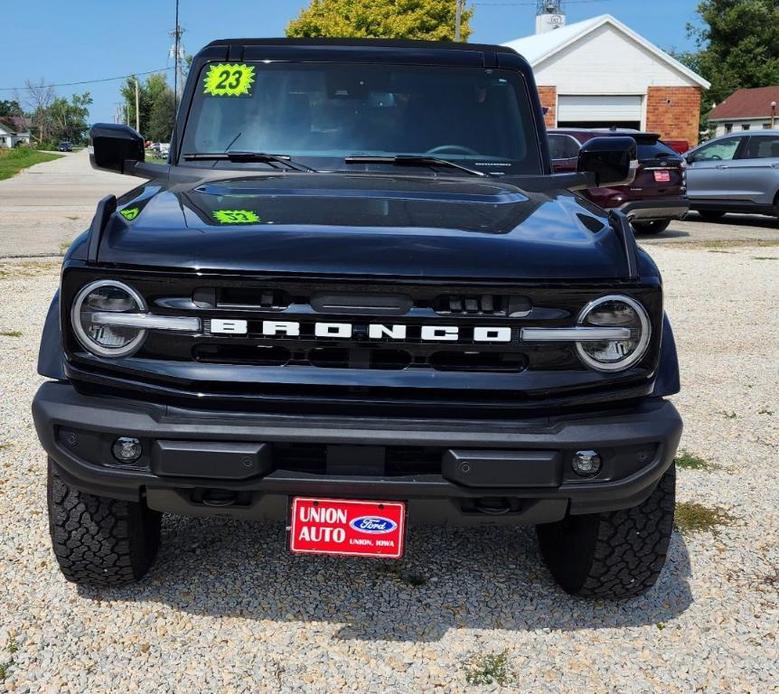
[(344, 224)]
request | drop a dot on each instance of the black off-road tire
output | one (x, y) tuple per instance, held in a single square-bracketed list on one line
[(711, 215), (656, 227), (612, 555), (100, 541)]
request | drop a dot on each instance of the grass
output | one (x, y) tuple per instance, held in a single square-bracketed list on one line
[(12, 647), (27, 268), (688, 461), (11, 333), (12, 161), (491, 668), (692, 517)]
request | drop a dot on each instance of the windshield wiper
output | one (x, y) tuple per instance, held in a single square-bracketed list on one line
[(410, 160), (237, 156)]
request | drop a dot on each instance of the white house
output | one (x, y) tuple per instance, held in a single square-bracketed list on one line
[(13, 131), (601, 73), (747, 109)]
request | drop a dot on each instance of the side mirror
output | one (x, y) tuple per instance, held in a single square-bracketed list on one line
[(114, 147), (611, 160)]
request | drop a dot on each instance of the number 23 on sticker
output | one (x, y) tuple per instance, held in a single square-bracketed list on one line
[(225, 79)]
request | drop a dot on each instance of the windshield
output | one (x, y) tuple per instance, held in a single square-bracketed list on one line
[(323, 112)]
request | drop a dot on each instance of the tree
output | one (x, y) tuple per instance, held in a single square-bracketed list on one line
[(154, 106), (397, 19), (161, 117), (10, 108), (737, 46), (37, 100), (68, 119)]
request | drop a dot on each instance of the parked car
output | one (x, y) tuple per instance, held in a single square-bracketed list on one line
[(678, 146), (164, 149), (394, 319), (735, 173), (653, 199), (65, 146)]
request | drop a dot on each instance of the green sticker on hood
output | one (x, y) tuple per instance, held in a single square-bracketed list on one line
[(130, 213), (236, 217)]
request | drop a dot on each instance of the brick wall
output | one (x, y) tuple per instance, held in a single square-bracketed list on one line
[(674, 112), (549, 101)]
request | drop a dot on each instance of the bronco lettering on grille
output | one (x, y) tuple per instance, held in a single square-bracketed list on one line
[(372, 331)]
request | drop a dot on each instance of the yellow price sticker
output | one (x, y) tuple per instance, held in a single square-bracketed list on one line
[(226, 79), (236, 217), (129, 213)]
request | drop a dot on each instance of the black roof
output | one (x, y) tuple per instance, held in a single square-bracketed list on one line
[(376, 43)]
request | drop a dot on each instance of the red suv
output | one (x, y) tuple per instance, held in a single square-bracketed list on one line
[(658, 193)]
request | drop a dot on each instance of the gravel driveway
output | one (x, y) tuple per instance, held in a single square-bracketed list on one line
[(226, 609)]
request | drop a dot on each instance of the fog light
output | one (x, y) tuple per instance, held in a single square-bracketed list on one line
[(586, 463), (127, 449)]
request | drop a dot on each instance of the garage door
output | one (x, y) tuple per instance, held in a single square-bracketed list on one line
[(591, 108)]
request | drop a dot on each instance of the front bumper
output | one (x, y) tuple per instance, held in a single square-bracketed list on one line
[(452, 471), (659, 209)]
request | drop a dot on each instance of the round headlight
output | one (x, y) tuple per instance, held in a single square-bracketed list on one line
[(615, 312), (92, 329)]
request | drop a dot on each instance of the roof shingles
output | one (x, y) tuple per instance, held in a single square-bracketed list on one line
[(747, 103)]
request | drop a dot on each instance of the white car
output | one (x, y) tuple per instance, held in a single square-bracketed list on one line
[(164, 148)]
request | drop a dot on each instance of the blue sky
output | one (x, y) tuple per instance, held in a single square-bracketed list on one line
[(91, 39)]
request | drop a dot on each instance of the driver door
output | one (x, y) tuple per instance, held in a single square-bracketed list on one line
[(708, 176)]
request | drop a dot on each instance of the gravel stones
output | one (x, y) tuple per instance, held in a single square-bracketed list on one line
[(226, 609)]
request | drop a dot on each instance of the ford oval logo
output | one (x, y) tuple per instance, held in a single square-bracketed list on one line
[(373, 524)]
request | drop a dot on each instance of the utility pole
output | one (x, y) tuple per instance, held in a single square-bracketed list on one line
[(458, 19), (137, 107), (177, 50)]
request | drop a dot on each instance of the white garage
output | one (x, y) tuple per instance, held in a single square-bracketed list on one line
[(592, 111), (601, 73)]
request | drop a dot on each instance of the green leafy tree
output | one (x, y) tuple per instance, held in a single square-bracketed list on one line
[(161, 117), (68, 119), (737, 46), (153, 105), (397, 19), (10, 108)]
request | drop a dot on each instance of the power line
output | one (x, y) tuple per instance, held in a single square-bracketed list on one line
[(73, 84)]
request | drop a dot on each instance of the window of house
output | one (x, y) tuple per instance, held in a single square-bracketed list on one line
[(746, 126), (728, 127)]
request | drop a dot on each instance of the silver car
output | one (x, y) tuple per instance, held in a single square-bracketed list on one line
[(735, 173)]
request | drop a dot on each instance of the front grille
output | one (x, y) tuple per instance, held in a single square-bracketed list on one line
[(305, 371)]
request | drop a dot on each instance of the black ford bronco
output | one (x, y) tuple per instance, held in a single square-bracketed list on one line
[(357, 299)]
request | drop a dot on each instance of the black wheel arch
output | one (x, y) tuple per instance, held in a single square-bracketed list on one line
[(50, 357), (667, 381)]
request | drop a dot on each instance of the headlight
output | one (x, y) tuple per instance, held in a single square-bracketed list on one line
[(99, 335), (615, 312)]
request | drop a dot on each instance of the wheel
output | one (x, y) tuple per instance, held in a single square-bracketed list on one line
[(100, 541), (612, 555), (711, 215), (656, 227)]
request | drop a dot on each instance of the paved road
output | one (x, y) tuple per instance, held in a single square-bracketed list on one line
[(47, 205), (44, 207)]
